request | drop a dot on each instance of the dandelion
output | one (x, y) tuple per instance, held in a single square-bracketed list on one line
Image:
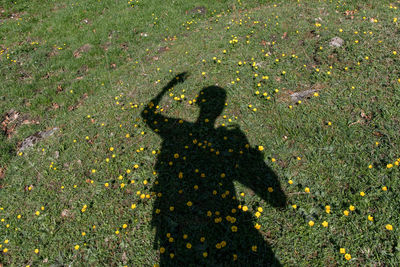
[(328, 209), (311, 223), (389, 227), (347, 256), (76, 247)]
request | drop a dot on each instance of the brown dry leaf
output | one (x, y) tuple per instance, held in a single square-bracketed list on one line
[(284, 36), (349, 12), (2, 172), (83, 49), (73, 107), (163, 49), (365, 116), (55, 106), (59, 88)]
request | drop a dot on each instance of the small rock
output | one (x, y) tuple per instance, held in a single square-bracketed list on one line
[(303, 94), (336, 42), (33, 139), (201, 10)]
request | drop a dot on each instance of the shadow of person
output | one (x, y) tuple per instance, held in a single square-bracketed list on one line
[(198, 219)]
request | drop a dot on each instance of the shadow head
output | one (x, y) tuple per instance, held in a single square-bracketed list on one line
[(211, 102)]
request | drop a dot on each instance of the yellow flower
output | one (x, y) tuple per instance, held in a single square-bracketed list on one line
[(352, 208), (346, 213), (76, 247), (311, 223), (384, 188), (205, 254), (36, 251), (342, 250), (162, 250), (347, 257), (254, 248), (124, 226), (260, 148), (389, 227), (325, 224), (390, 165), (245, 208), (290, 182), (362, 194), (370, 218), (257, 226), (328, 209), (234, 228), (307, 190), (189, 203), (189, 246)]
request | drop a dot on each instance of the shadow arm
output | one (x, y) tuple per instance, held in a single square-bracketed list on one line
[(150, 115)]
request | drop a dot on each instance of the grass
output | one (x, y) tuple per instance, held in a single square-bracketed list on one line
[(88, 195)]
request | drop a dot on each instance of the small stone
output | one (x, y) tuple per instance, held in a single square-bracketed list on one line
[(336, 42), (33, 139), (303, 94), (201, 10)]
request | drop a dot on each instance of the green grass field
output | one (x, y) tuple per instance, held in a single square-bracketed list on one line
[(256, 177)]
